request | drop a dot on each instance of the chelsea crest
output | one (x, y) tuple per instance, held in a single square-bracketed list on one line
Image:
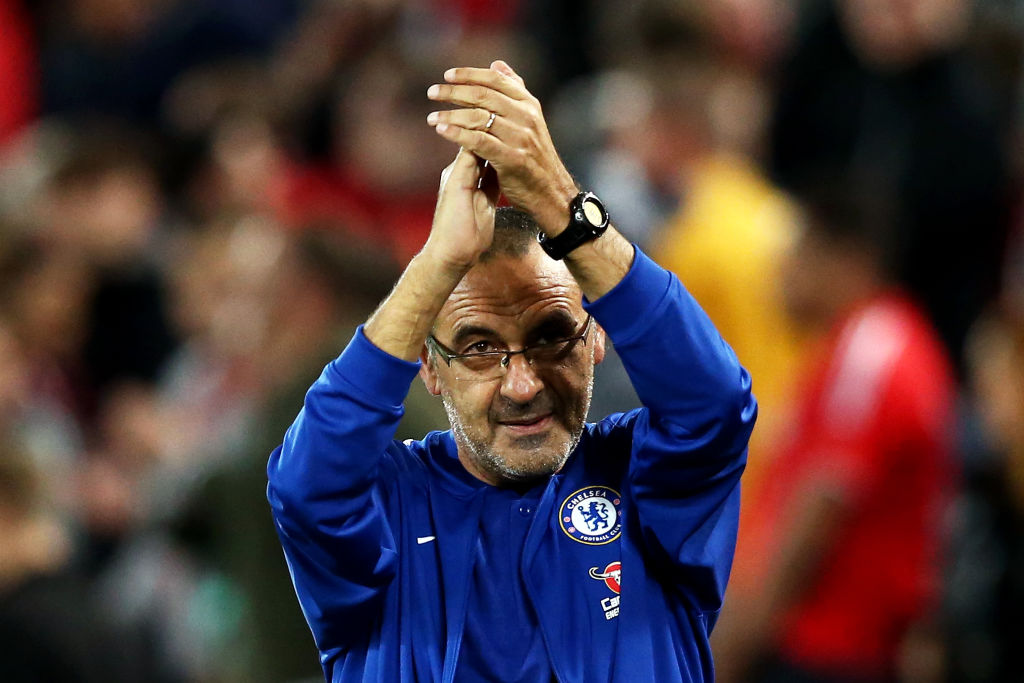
[(592, 515)]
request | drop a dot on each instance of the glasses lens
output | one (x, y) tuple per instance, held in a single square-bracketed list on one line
[(478, 367), (480, 363), (550, 353)]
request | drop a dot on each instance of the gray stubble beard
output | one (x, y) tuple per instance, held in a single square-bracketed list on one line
[(493, 463)]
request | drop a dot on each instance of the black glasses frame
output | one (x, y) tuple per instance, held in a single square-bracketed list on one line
[(506, 356)]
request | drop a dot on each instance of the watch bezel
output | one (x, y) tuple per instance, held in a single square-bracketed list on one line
[(581, 214), (579, 231)]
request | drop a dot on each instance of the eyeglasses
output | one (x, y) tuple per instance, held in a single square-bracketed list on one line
[(482, 366)]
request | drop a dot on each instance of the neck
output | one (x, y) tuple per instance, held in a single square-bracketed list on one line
[(470, 464)]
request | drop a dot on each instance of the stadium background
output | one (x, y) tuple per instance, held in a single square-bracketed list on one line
[(200, 200)]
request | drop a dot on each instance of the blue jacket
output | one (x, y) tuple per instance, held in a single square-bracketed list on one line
[(379, 534)]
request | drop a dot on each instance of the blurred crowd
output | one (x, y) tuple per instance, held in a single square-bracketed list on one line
[(201, 199)]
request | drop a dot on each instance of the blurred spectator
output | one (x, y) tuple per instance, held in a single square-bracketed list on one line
[(33, 416), (18, 70), (95, 224), (327, 287), (44, 295), (727, 237), (884, 94), (653, 138), (847, 525), (51, 627), (755, 31), (119, 57), (985, 593), (680, 131), (244, 169), (568, 34), (379, 180)]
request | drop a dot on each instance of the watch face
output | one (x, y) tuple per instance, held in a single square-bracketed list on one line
[(593, 212)]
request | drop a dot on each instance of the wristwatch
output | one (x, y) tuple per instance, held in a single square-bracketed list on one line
[(588, 220)]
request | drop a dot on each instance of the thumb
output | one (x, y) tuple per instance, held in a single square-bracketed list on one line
[(483, 211), (464, 168)]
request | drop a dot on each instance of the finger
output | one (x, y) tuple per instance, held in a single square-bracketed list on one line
[(504, 82), (462, 171), (477, 119), (479, 96), (480, 143)]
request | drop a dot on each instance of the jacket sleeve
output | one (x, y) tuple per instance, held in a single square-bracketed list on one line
[(325, 492), (689, 440)]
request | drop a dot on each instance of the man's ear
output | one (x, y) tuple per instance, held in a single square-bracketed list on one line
[(599, 341), (428, 373)]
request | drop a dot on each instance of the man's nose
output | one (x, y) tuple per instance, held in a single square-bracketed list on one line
[(521, 382)]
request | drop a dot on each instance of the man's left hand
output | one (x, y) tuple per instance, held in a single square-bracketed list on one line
[(516, 142)]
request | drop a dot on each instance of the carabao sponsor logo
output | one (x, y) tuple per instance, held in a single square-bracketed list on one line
[(611, 576)]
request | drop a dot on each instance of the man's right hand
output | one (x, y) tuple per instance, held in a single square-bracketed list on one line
[(463, 229), (464, 218)]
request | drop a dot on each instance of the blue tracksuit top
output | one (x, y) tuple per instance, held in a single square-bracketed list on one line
[(625, 560)]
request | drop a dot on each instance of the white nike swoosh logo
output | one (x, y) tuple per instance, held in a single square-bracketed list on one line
[(424, 539)]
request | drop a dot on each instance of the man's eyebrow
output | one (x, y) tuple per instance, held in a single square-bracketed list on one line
[(557, 318)]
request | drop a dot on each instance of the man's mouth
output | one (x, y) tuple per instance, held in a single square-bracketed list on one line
[(528, 425)]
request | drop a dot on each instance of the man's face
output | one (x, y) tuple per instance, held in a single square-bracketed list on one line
[(524, 423)]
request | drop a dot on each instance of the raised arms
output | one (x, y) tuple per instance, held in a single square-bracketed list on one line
[(531, 174)]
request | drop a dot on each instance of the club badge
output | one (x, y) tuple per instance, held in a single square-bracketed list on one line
[(592, 515)]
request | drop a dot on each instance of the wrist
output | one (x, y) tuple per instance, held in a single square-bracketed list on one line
[(447, 263), (600, 265), (553, 217), (401, 323)]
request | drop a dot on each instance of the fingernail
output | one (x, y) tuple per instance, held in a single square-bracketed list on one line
[(433, 91), (432, 118), (449, 75), (442, 127)]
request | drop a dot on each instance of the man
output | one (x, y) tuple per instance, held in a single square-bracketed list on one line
[(844, 539), (523, 544)]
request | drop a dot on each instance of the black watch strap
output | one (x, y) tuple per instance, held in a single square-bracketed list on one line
[(588, 220)]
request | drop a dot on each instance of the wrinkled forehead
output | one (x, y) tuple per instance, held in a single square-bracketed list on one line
[(511, 294)]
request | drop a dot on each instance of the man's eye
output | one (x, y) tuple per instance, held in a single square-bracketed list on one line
[(550, 337), (480, 347)]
